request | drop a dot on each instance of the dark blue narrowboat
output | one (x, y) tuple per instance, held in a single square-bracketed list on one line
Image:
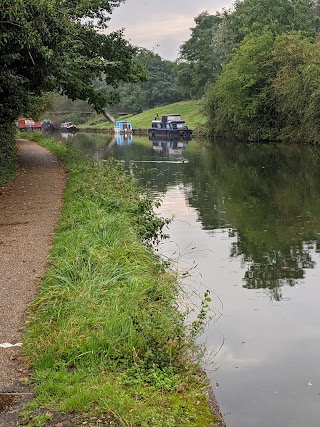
[(47, 126), (170, 126)]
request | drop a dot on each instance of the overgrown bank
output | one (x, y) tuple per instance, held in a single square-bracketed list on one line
[(7, 153), (105, 337)]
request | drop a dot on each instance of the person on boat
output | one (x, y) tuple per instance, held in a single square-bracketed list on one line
[(157, 117)]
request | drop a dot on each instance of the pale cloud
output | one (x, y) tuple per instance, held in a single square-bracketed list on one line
[(162, 26)]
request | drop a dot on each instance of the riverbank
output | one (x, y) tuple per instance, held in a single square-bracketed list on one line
[(105, 338)]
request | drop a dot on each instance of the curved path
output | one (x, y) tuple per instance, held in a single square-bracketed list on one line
[(29, 210)]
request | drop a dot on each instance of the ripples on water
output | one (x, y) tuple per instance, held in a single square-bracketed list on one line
[(247, 225)]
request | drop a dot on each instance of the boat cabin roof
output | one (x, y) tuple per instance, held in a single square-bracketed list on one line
[(171, 117)]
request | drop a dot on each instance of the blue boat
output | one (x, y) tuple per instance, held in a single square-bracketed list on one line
[(170, 126), (123, 139), (122, 127), (47, 126)]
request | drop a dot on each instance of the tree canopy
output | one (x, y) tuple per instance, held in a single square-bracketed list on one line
[(55, 45), (268, 85), (159, 88), (199, 53)]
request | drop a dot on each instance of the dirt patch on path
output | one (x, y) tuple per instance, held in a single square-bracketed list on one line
[(29, 210)]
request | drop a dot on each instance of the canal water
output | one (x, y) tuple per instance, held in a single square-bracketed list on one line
[(246, 227)]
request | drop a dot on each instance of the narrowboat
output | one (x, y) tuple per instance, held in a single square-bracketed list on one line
[(171, 147), (68, 127), (47, 126), (122, 127), (170, 126), (26, 124)]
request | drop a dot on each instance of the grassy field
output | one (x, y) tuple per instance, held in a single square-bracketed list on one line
[(189, 110), (105, 338)]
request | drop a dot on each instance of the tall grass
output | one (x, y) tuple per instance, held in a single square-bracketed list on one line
[(105, 335)]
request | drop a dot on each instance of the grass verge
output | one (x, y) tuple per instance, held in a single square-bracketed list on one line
[(105, 337)]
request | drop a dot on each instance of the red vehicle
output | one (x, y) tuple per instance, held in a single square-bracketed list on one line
[(28, 124)]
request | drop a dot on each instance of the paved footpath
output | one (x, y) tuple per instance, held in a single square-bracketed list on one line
[(29, 210)]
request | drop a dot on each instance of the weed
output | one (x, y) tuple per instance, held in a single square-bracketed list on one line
[(199, 324)]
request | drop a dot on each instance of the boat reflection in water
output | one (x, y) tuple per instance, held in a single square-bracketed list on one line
[(172, 147), (123, 139), (68, 135)]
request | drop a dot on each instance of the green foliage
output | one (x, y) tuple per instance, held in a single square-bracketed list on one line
[(7, 153), (60, 108), (198, 325), (240, 102), (165, 379), (51, 45), (159, 88), (268, 91), (277, 16), (233, 57), (296, 88), (203, 62)]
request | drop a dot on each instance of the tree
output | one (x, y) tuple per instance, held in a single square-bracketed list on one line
[(269, 91), (269, 86), (160, 86), (200, 54), (277, 16), (240, 103), (49, 44), (296, 88), (215, 37)]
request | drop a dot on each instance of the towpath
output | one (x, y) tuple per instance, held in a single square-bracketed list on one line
[(29, 210)]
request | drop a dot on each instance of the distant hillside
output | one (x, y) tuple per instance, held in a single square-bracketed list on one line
[(189, 110)]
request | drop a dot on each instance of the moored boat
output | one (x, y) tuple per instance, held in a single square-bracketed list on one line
[(170, 126), (68, 127), (47, 126), (122, 127), (26, 124)]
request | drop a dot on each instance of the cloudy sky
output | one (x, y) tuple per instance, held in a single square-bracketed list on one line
[(161, 25)]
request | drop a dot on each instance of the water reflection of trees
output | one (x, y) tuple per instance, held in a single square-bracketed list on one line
[(270, 197)]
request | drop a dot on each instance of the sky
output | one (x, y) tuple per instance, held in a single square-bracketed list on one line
[(163, 25)]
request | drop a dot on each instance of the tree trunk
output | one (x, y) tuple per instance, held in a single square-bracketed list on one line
[(108, 116)]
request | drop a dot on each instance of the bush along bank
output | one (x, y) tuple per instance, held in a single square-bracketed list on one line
[(7, 153), (105, 338)]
